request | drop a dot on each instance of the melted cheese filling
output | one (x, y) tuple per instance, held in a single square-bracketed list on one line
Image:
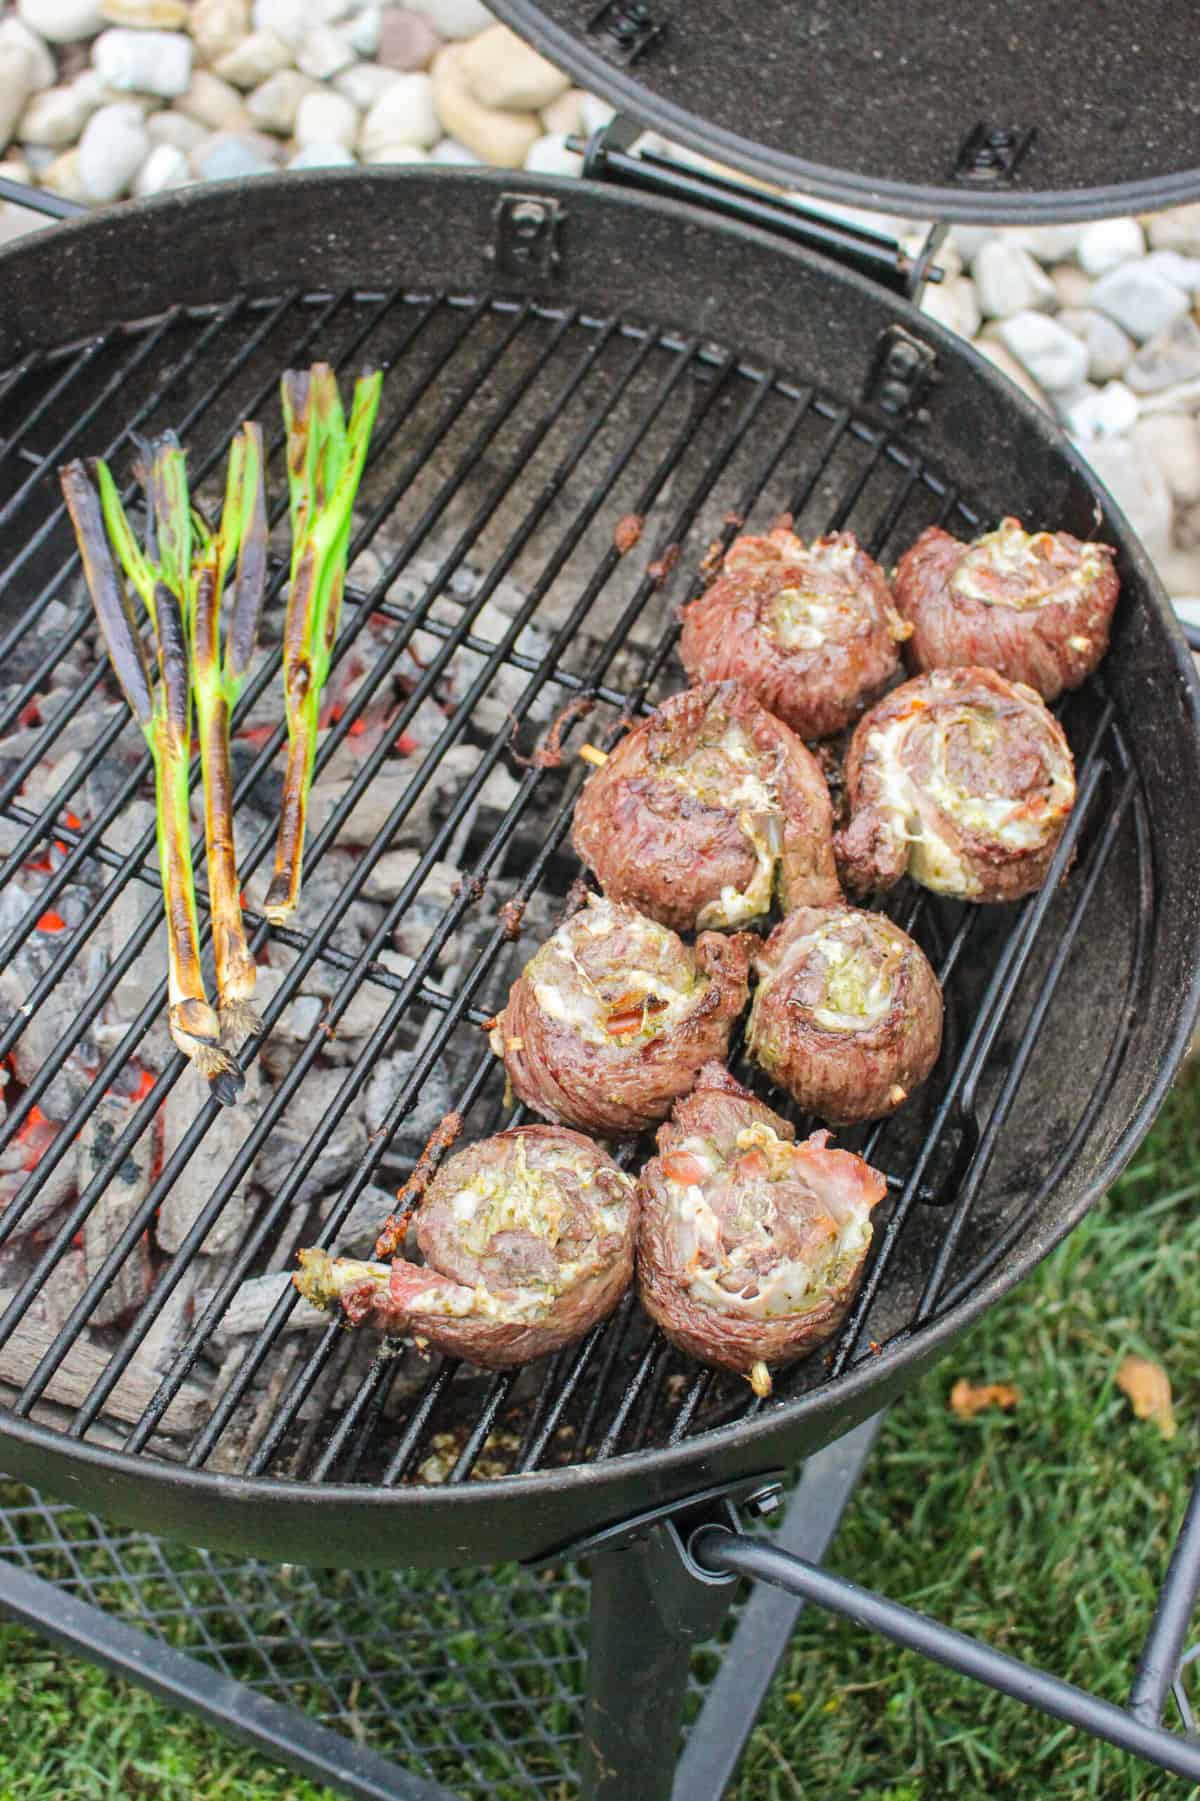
[(858, 990), (1011, 551), (743, 790), (1000, 818), (792, 1288), (584, 1007), (516, 1198)]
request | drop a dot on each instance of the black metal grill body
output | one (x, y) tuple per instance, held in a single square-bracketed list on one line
[(649, 361)]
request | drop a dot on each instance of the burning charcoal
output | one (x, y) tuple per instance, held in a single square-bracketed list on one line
[(367, 1007), (18, 1159), (251, 1307), (323, 885), (339, 1156), (48, 1023), (360, 1228), (147, 975), (192, 1189), (393, 870), (432, 1100), (82, 1367), (166, 1332), (506, 685), (62, 1290), (123, 1194)]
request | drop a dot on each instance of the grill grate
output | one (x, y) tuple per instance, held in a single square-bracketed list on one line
[(511, 439)]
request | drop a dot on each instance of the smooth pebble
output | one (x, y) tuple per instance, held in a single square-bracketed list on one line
[(1008, 280), (1109, 348), (1173, 441), (166, 167), (62, 21), (454, 18), (502, 70), (231, 155), (218, 26), (364, 83), (43, 68), (327, 118), (1140, 301), (322, 53), (398, 153), (549, 156), (322, 156), (144, 62), (214, 103), (254, 60), (55, 117), (403, 114), (1170, 357), (1137, 486), (275, 105), (503, 139), (1056, 359), (1107, 412), (112, 149), (1107, 243), (16, 88), (406, 39)]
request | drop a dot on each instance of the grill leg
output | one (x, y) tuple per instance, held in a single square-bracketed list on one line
[(645, 1616)]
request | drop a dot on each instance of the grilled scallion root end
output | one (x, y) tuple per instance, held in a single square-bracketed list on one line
[(325, 456)]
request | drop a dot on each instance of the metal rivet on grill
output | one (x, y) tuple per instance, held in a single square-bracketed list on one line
[(527, 234), (992, 153), (628, 26)]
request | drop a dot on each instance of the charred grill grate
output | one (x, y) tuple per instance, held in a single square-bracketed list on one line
[(486, 594)]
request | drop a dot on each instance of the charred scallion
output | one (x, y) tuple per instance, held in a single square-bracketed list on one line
[(218, 674), (162, 707), (325, 457)]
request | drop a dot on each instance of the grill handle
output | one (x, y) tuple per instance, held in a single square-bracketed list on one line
[(716, 1550), (39, 200)]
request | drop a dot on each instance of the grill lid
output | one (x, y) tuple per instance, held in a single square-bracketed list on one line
[(989, 114)]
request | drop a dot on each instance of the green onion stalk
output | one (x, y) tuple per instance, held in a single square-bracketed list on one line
[(325, 458), (218, 676), (162, 576)]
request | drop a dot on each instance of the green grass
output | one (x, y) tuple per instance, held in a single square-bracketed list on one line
[(1044, 1531)]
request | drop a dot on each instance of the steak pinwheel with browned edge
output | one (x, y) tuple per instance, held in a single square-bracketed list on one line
[(708, 810), (611, 1019), (847, 1015), (750, 1246), (1034, 606), (810, 630), (961, 779), (528, 1240)]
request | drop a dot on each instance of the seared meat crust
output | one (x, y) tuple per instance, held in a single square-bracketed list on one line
[(704, 810), (750, 1246), (961, 779), (528, 1241), (1034, 607), (847, 1015), (810, 630), (611, 1019)]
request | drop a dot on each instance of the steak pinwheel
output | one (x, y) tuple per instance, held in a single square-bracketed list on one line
[(706, 811), (809, 629), (750, 1246), (612, 1018), (847, 1015), (961, 779), (528, 1240), (1034, 606)]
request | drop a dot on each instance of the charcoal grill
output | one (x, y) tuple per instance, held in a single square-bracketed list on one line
[(558, 355)]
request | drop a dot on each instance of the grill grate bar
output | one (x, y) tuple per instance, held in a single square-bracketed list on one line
[(175, 1268), (47, 464), (981, 1161), (994, 1008), (148, 924), (532, 778), (1129, 795), (701, 419), (86, 355)]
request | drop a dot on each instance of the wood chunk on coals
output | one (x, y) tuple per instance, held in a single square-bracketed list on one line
[(205, 1169), (124, 1192), (81, 1368)]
